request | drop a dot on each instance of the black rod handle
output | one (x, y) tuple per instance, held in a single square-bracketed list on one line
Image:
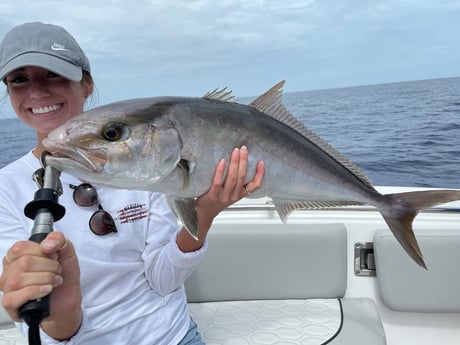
[(39, 309)]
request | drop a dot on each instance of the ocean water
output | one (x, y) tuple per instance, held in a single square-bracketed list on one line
[(400, 134)]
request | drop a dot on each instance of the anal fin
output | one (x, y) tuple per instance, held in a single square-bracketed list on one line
[(285, 207)]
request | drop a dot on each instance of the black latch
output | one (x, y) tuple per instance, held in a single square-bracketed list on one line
[(364, 260)]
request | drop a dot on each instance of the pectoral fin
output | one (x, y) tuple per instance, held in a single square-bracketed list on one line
[(185, 210)]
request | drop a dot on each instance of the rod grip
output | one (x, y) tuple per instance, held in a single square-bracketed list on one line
[(37, 310)]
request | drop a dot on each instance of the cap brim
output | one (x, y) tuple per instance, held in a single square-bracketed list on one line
[(51, 63)]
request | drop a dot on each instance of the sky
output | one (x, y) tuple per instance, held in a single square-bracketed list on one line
[(144, 48)]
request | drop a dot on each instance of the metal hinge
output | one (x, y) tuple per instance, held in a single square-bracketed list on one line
[(364, 260)]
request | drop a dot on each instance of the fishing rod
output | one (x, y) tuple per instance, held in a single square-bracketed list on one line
[(44, 210)]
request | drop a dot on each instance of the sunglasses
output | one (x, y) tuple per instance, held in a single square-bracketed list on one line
[(101, 222)]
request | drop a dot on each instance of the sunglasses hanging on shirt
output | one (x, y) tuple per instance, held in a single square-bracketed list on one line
[(101, 222)]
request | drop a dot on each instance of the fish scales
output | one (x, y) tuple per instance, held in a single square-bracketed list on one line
[(288, 153)]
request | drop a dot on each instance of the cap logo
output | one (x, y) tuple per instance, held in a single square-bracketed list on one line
[(58, 46)]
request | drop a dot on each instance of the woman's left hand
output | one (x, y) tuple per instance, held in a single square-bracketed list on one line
[(224, 192)]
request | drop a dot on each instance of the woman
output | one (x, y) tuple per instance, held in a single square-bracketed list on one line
[(120, 287)]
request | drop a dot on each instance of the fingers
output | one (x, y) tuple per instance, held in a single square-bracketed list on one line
[(32, 270), (19, 249), (53, 243), (218, 179), (36, 280), (13, 300), (229, 185), (256, 182), (233, 185), (240, 170), (236, 174)]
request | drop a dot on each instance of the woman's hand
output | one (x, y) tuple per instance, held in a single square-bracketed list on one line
[(33, 270), (224, 192)]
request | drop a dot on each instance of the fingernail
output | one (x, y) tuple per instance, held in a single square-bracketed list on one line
[(58, 280), (46, 288), (50, 244)]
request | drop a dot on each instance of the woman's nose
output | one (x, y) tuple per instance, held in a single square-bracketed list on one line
[(38, 88)]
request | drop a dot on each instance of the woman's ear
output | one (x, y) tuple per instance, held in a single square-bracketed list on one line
[(88, 85)]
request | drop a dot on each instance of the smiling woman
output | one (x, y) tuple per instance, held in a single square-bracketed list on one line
[(47, 76)]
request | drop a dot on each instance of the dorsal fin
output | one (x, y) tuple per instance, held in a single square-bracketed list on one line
[(219, 94), (271, 104)]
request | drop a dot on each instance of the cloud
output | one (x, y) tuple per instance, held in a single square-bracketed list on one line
[(151, 47)]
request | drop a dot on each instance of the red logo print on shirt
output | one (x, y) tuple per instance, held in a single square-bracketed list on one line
[(132, 213)]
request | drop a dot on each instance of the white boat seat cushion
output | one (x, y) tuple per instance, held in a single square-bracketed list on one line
[(405, 286), (271, 261)]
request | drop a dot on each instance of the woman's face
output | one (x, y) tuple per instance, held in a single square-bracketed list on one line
[(43, 99)]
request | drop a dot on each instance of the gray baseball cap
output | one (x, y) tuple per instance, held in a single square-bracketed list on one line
[(42, 45)]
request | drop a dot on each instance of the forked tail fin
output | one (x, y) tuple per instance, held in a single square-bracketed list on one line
[(404, 207)]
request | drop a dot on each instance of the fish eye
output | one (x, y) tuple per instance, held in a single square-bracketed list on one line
[(113, 132)]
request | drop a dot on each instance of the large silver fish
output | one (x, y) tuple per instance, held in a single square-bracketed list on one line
[(173, 144)]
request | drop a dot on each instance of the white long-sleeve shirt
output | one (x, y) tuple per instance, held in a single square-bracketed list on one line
[(131, 280)]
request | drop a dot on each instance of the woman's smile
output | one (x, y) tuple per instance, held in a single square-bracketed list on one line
[(42, 110)]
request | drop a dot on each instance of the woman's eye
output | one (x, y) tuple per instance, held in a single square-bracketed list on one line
[(52, 75), (17, 80)]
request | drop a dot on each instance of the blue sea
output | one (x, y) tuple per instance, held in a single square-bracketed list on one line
[(400, 134)]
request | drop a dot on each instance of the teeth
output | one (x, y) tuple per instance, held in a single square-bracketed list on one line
[(44, 110)]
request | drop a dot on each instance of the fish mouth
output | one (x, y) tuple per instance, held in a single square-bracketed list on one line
[(92, 160)]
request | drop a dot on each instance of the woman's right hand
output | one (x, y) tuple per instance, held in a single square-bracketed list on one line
[(33, 270)]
